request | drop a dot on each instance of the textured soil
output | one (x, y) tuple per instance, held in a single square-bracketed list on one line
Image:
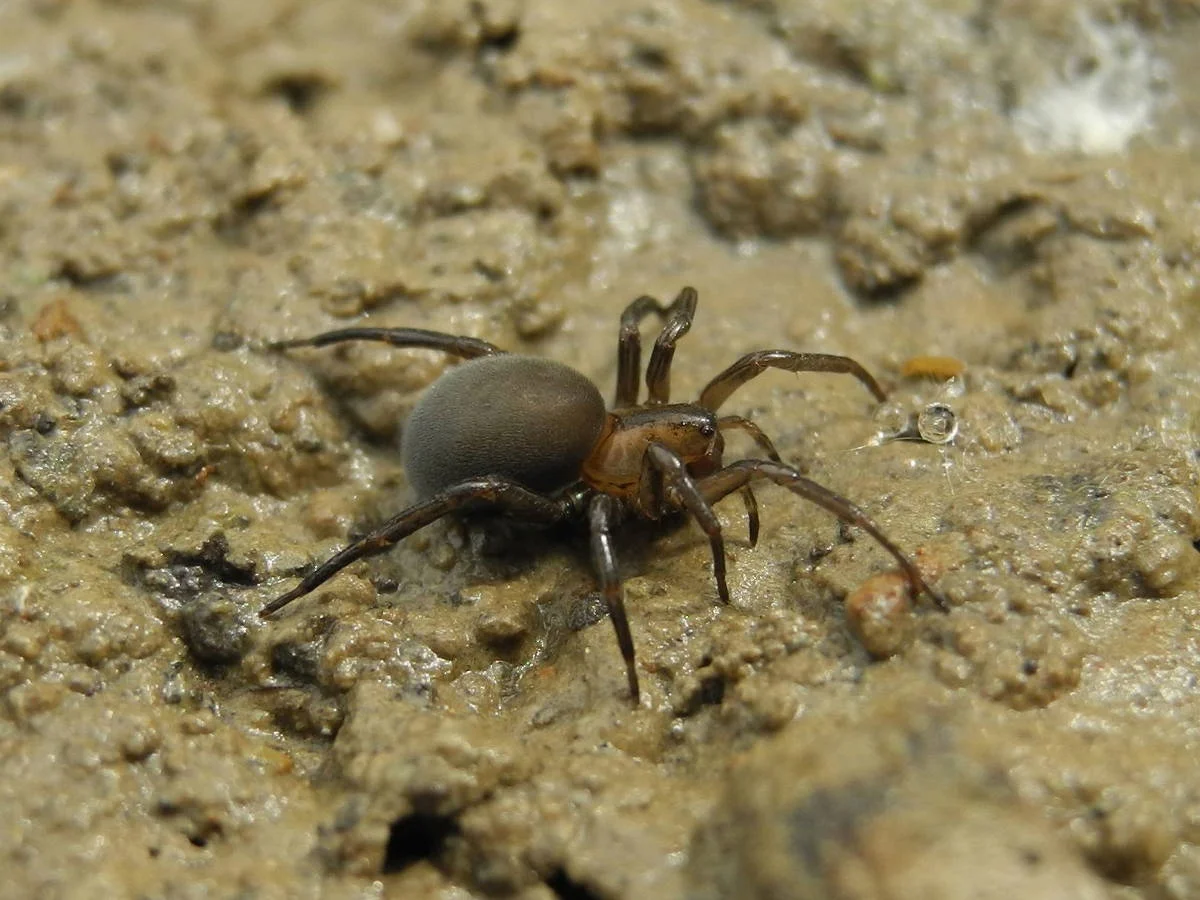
[(992, 205)]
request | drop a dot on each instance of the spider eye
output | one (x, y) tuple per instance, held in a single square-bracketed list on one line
[(708, 429)]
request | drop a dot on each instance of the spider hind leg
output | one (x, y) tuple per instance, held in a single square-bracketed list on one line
[(501, 494)]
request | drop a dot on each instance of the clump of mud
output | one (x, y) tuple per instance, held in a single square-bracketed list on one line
[(996, 210)]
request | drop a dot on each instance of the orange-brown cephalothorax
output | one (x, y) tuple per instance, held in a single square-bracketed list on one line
[(618, 460)]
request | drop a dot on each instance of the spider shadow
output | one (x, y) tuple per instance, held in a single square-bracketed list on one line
[(451, 557)]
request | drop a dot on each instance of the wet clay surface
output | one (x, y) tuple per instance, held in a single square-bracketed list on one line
[(1013, 185)]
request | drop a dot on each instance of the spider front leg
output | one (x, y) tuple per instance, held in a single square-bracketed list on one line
[(672, 475), (754, 364), (500, 493), (737, 475), (679, 315), (601, 512), (663, 470), (679, 321)]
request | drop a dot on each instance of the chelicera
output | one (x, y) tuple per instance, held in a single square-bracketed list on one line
[(531, 438)]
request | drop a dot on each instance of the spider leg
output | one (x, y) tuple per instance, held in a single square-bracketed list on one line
[(751, 513), (751, 365), (456, 345), (629, 341), (658, 373), (601, 512), (766, 446), (629, 348), (756, 434), (497, 492), (675, 477), (737, 475)]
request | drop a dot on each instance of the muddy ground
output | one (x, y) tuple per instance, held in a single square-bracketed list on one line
[(1014, 185)]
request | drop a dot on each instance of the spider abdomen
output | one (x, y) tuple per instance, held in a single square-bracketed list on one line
[(532, 420)]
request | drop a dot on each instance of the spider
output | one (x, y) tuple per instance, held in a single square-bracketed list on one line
[(531, 438)]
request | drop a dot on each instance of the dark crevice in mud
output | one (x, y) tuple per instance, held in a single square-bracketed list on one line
[(251, 205), (566, 888), (231, 225), (187, 575), (889, 293), (300, 91), (300, 656), (91, 278), (415, 837), (709, 691), (501, 41), (213, 560)]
